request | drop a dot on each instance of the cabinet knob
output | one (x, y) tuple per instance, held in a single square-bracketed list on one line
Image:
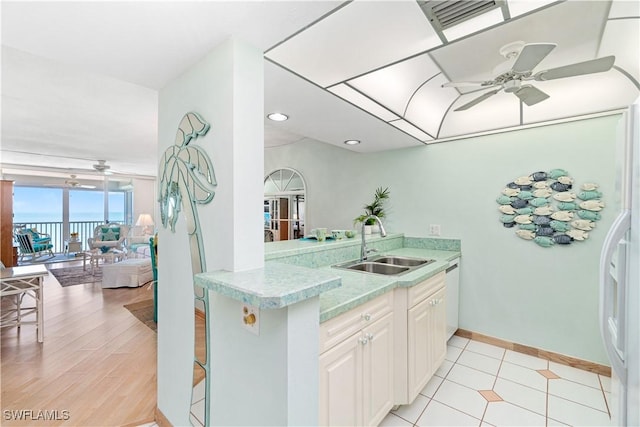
[(369, 337), (363, 340), (366, 316)]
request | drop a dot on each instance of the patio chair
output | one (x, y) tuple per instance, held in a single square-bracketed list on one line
[(33, 243), (109, 236)]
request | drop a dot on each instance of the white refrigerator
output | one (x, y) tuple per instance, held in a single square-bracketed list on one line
[(620, 279)]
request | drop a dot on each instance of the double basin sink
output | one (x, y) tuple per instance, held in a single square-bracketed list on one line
[(387, 265)]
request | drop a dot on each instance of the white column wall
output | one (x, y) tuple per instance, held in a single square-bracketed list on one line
[(226, 89)]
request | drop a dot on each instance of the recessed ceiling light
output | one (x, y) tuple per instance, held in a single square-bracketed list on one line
[(352, 142), (277, 117)]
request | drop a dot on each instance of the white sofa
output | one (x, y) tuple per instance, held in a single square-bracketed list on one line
[(132, 273)]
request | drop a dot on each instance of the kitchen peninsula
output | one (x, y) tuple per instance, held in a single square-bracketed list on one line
[(268, 372)]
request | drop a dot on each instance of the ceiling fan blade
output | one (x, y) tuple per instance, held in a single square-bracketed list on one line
[(531, 55), (587, 67), (466, 84), (478, 100), (530, 95)]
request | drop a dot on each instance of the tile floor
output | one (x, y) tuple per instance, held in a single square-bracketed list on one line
[(483, 385)]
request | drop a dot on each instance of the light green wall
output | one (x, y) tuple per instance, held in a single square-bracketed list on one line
[(510, 288)]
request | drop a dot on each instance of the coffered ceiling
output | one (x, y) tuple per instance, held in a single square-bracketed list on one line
[(392, 60), (80, 79)]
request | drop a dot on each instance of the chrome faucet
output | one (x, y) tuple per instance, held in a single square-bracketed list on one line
[(363, 248)]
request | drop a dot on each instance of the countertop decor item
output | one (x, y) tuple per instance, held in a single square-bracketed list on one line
[(377, 207), (545, 208)]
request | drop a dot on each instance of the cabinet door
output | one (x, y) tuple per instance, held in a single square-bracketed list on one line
[(427, 341), (438, 330), (377, 367), (341, 384), (418, 351)]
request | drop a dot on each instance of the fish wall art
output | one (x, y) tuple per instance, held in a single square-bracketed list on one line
[(547, 208)]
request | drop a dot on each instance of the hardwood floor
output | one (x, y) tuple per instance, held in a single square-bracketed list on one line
[(96, 367)]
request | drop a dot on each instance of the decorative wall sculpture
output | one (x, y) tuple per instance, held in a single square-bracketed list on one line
[(187, 179), (545, 208)]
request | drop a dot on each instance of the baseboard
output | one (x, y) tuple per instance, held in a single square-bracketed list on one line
[(532, 351), (200, 314), (161, 420)]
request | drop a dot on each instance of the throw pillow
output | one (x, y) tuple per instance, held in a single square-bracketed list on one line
[(109, 236)]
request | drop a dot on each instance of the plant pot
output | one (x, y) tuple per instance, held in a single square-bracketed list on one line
[(368, 229)]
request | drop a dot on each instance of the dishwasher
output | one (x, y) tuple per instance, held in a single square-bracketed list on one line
[(452, 288)]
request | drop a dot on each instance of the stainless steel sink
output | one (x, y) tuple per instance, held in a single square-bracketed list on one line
[(403, 261), (387, 265), (377, 268)]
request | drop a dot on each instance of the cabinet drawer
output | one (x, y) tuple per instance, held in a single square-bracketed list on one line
[(335, 330), (422, 290)]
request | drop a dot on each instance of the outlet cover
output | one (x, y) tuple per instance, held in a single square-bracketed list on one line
[(434, 229), (251, 318)]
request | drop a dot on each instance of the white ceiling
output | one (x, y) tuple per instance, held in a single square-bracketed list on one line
[(80, 79)]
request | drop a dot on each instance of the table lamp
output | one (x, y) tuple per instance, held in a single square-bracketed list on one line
[(145, 220)]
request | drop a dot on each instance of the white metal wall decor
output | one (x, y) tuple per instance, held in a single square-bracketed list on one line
[(544, 207), (187, 179)]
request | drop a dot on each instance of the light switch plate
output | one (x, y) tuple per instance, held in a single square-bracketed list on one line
[(434, 229), (251, 318)]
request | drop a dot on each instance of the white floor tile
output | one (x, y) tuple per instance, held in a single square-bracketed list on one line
[(525, 360), (480, 362), (575, 374), (195, 421), (607, 397), (578, 393), (606, 382), (506, 414), (453, 353), (457, 341), (392, 420), (575, 414), (413, 411), (198, 392), (525, 397), (486, 349), (470, 377), (461, 398), (444, 369), (486, 424), (438, 414), (521, 375), (554, 423), (197, 410), (431, 387)]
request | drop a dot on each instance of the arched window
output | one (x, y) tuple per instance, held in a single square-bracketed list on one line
[(284, 205)]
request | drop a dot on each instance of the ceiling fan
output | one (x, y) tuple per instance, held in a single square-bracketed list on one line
[(102, 167), (74, 183), (522, 58)]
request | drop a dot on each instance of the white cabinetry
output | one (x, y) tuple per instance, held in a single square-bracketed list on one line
[(357, 366), (426, 341), (424, 329)]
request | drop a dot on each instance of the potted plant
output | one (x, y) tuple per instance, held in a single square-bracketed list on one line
[(374, 208)]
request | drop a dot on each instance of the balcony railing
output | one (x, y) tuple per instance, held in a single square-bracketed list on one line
[(55, 229)]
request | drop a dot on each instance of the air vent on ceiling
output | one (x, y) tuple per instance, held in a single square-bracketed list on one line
[(444, 14)]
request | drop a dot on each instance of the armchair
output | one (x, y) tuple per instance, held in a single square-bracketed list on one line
[(33, 243), (110, 236)]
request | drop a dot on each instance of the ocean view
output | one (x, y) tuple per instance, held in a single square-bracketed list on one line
[(29, 217)]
